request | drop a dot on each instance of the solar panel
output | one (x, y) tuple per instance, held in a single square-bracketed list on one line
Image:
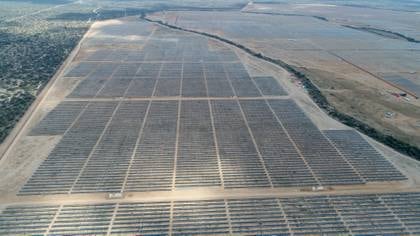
[(368, 162), (361, 214), (328, 165), (285, 165), (239, 159), (59, 119), (61, 168), (269, 86), (196, 158)]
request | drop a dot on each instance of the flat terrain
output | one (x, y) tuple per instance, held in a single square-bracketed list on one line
[(198, 138), (360, 62)]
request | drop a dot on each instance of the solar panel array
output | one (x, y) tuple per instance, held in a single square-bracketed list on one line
[(82, 219), (185, 67), (365, 214), (269, 86), (82, 69), (201, 143), (63, 165), (284, 164), (227, 143), (242, 167), (200, 217), (152, 164), (60, 119), (141, 218), (195, 80), (176, 112), (107, 165), (369, 162), (325, 161), (196, 160)]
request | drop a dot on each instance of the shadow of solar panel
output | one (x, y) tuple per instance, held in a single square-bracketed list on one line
[(269, 86), (239, 159), (367, 215), (196, 159), (284, 164), (368, 162), (90, 86), (82, 69), (167, 87), (26, 220), (57, 121), (142, 218), (107, 167), (312, 216), (325, 161), (200, 218), (257, 217), (405, 206), (61, 168), (83, 220), (153, 164)]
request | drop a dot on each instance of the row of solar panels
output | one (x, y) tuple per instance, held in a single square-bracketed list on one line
[(147, 80), (376, 214), (135, 146)]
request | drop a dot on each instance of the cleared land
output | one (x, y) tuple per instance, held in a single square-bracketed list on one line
[(199, 138)]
